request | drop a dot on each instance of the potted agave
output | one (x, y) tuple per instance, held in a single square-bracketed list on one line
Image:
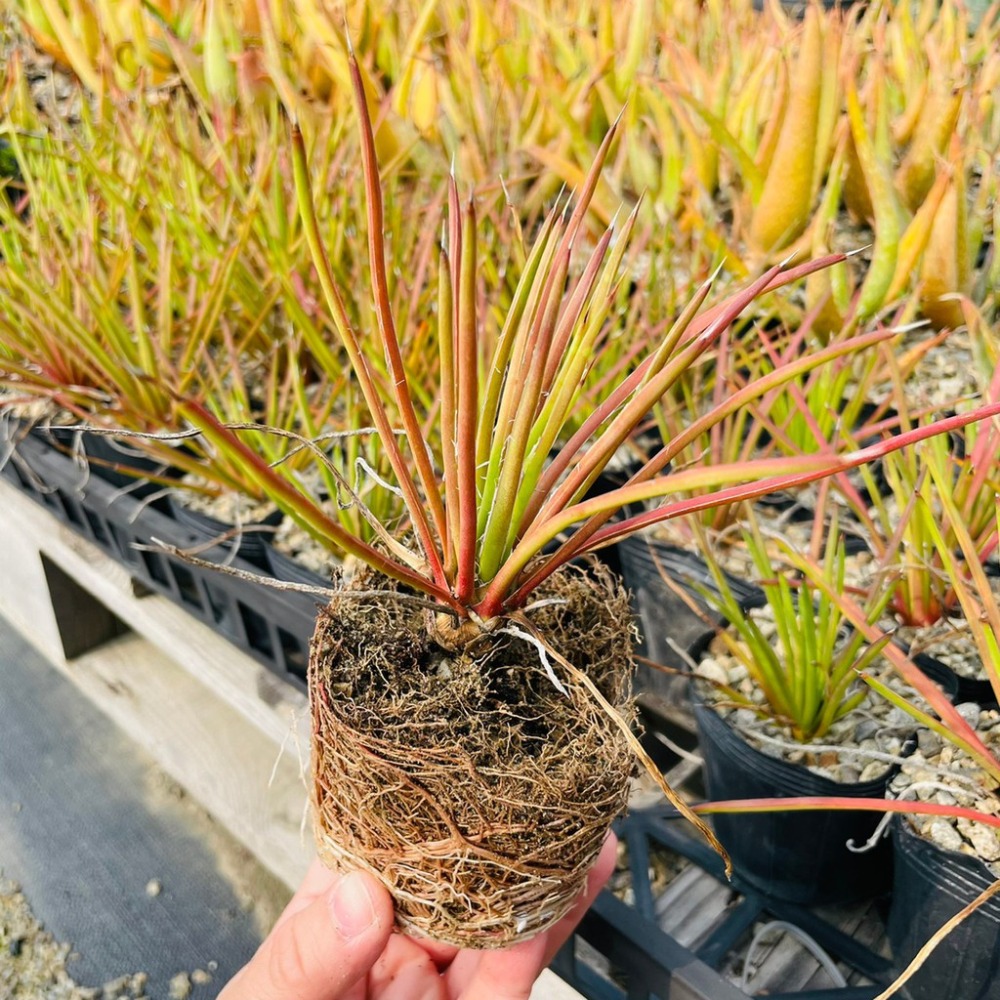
[(804, 416), (947, 863), (913, 564), (780, 712), (471, 737), (942, 923)]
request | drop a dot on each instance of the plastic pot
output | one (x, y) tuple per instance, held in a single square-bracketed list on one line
[(966, 688), (797, 8), (798, 857), (979, 691), (942, 675), (930, 886), (799, 513), (285, 568), (108, 453), (957, 689), (101, 454), (662, 615), (250, 543)]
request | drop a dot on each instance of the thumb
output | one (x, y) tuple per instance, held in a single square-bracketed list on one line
[(322, 950)]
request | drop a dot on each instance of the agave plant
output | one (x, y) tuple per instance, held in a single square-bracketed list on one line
[(113, 308), (970, 772), (475, 626), (742, 115), (906, 513), (809, 676), (94, 286), (979, 606)]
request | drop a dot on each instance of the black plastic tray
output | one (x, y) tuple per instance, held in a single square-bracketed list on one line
[(648, 964), (620, 952), (273, 626)]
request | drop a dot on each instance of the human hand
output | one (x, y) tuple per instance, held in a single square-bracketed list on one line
[(334, 941)]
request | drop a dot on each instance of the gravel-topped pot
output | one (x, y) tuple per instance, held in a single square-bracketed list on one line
[(950, 647), (944, 862), (930, 885), (967, 689), (666, 623), (800, 857)]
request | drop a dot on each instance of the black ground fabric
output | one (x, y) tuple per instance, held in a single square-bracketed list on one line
[(107, 862)]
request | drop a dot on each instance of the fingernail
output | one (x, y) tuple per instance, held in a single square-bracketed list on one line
[(352, 906)]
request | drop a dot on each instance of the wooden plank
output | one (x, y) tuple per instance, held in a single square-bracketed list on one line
[(236, 678), (24, 596), (253, 785), (692, 906)]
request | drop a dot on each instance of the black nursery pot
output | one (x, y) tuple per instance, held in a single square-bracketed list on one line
[(942, 675), (285, 568), (799, 513), (966, 689), (957, 689), (930, 886), (108, 453), (663, 615), (250, 544), (981, 692), (798, 857)]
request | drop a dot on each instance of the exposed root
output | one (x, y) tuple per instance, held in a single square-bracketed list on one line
[(462, 778)]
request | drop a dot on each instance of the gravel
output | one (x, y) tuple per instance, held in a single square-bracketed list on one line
[(296, 543), (950, 641), (941, 773), (228, 507), (33, 963)]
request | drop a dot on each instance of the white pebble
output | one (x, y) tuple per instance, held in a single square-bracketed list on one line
[(969, 711), (711, 670), (180, 986), (873, 770), (945, 835)]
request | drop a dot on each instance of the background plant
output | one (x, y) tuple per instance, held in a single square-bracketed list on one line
[(932, 709), (750, 131), (908, 510), (150, 256), (808, 674)]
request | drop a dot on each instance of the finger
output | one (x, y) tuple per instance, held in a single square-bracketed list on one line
[(318, 880), (467, 963), (405, 971), (321, 951), (441, 954), (559, 934), (507, 974)]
